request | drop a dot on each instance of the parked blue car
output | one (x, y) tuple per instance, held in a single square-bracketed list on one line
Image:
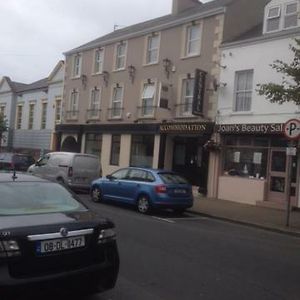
[(145, 188)]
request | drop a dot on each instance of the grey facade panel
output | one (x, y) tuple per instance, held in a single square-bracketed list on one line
[(32, 139)]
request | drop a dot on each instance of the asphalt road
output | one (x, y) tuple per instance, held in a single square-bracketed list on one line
[(168, 257)]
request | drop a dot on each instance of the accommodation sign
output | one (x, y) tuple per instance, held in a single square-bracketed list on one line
[(186, 128), (272, 128)]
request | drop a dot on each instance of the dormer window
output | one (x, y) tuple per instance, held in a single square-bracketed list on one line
[(291, 15), (281, 16), (273, 19)]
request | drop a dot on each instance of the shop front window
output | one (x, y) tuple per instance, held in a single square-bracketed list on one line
[(93, 143), (245, 159), (142, 147)]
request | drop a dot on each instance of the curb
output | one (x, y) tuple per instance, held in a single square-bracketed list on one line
[(249, 224)]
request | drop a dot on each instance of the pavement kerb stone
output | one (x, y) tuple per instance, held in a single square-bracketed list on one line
[(250, 224)]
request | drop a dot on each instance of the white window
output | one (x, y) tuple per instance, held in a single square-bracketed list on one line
[(31, 115), (19, 116), (187, 96), (116, 110), (291, 15), (2, 110), (44, 115), (193, 40), (58, 105), (148, 99), (74, 104), (76, 65), (98, 61), (273, 18), (94, 108), (152, 49), (243, 90), (121, 49)]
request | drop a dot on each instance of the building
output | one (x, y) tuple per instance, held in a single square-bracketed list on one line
[(252, 165), (144, 95), (32, 111)]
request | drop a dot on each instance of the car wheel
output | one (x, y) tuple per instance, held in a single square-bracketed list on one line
[(143, 204), (96, 194), (60, 181)]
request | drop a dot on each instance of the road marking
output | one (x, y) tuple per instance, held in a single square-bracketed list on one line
[(163, 219), (191, 218)]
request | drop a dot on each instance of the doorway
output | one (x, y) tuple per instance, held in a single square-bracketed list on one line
[(278, 176), (191, 161)]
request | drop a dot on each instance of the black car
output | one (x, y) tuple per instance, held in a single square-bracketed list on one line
[(15, 161), (47, 234)]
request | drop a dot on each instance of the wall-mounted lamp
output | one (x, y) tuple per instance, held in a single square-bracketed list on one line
[(167, 64), (217, 85), (149, 81), (105, 77), (117, 85), (83, 80), (188, 76), (221, 66), (131, 72)]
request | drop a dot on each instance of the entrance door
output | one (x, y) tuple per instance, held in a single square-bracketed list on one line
[(278, 177), (191, 161)]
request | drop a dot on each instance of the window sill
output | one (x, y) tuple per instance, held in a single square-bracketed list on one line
[(151, 64), (75, 77), (241, 113), (96, 74), (119, 70), (190, 56), (186, 117)]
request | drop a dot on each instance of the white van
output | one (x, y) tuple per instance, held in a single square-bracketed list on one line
[(76, 170)]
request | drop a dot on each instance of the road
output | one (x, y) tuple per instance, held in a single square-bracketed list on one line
[(168, 257)]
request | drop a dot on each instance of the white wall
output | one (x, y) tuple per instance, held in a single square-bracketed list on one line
[(257, 57)]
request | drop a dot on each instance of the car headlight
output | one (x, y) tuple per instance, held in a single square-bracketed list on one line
[(9, 248), (106, 235)]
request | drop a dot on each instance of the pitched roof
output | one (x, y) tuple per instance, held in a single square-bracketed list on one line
[(40, 84), (167, 20)]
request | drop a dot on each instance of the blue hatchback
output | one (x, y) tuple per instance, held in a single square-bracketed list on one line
[(145, 188)]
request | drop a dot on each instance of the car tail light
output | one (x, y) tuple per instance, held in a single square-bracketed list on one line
[(9, 249), (160, 189), (106, 235), (70, 172)]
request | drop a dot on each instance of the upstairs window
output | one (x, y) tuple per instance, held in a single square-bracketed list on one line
[(187, 96), (117, 100), (243, 90), (76, 65), (2, 110), (121, 49), (19, 116), (31, 116), (94, 107), (193, 40), (44, 115), (273, 18), (58, 106), (148, 99), (152, 49), (98, 61), (291, 15)]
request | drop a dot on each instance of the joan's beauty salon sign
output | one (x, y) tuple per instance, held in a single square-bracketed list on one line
[(272, 128)]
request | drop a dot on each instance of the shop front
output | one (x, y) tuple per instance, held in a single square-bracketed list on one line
[(254, 165), (185, 152)]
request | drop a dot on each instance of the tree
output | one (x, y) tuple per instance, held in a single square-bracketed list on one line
[(3, 127), (289, 89)]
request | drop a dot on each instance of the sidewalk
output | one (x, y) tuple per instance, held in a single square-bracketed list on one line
[(261, 217)]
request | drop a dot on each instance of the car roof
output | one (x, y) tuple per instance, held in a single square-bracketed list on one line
[(151, 170), (19, 177)]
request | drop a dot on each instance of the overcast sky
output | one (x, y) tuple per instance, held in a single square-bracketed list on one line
[(35, 33)]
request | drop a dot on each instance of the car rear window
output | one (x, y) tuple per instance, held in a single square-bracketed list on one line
[(86, 162), (171, 178), (25, 198)]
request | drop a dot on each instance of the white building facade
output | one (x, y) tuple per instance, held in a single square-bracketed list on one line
[(253, 165)]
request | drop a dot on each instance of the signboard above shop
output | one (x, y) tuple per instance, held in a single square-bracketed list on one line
[(263, 129), (196, 128)]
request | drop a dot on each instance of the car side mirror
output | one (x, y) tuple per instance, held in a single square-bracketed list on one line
[(109, 177)]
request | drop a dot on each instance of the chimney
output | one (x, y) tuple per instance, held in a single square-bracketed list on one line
[(181, 5)]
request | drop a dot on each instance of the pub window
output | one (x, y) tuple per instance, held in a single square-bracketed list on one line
[(115, 150), (93, 144), (244, 159), (142, 147)]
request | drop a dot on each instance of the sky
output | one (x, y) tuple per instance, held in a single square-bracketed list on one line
[(34, 34)]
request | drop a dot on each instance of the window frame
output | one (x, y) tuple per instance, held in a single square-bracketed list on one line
[(44, 115), (76, 65), (149, 50), (2, 109), (100, 62), (285, 14), (19, 116), (119, 57), (115, 101), (184, 96), (187, 39), (31, 109), (58, 109), (144, 86), (245, 91)]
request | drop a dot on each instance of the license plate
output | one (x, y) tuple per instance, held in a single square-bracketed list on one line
[(179, 191), (60, 244)]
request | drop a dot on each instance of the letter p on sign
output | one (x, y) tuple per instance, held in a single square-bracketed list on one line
[(292, 129)]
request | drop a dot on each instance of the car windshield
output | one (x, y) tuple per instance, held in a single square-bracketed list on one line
[(25, 198), (171, 178)]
